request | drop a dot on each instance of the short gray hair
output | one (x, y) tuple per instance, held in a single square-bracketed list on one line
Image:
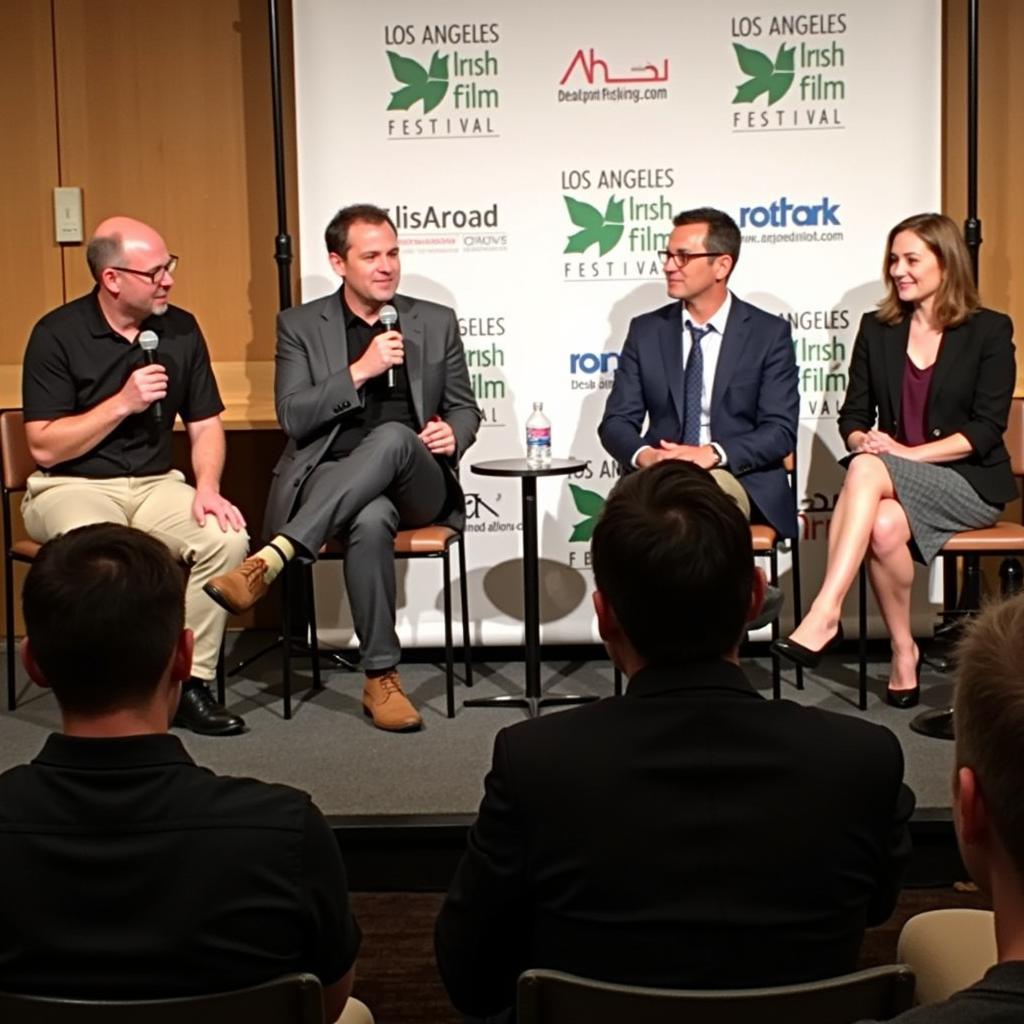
[(103, 251)]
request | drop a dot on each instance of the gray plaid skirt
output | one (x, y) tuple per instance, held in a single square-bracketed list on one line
[(938, 502)]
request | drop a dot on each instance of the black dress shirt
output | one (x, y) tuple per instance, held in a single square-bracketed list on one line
[(381, 404)]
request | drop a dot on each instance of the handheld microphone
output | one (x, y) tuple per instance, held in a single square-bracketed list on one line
[(388, 316), (148, 342)]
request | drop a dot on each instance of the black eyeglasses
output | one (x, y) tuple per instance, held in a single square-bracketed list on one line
[(680, 259), (153, 275)]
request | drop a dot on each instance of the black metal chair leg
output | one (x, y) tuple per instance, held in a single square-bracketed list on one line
[(449, 652), (9, 596), (862, 640), (773, 561), (221, 692), (798, 601), (312, 635), (467, 647), (286, 630)]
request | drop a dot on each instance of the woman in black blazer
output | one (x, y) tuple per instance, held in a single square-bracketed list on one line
[(931, 380)]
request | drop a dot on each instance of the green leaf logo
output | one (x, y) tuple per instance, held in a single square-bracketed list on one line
[(419, 83), (604, 229), (590, 504), (764, 76)]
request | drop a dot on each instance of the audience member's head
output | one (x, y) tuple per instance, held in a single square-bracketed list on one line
[(989, 721), (673, 567), (104, 613)]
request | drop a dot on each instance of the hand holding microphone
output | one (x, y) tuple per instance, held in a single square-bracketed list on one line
[(148, 384)]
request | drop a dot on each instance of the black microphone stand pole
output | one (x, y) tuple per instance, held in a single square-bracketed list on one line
[(293, 605), (938, 723)]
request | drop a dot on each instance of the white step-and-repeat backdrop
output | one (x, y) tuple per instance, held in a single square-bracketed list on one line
[(532, 157)]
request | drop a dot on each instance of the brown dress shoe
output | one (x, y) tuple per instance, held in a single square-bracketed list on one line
[(387, 705), (240, 589)]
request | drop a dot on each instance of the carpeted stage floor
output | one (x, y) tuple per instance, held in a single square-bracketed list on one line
[(330, 749)]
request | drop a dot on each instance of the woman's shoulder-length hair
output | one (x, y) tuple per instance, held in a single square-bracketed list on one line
[(957, 297)]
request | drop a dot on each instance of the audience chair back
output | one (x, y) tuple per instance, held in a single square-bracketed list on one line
[(551, 997), (948, 950), (18, 466), (292, 999)]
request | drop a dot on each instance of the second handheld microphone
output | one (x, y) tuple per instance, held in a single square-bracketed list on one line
[(388, 316)]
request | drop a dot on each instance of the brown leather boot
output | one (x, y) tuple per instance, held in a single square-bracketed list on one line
[(239, 589), (386, 703)]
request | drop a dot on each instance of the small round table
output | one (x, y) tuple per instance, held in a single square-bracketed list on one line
[(528, 474)]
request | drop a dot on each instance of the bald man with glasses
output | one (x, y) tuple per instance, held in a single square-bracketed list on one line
[(100, 404), (711, 380)]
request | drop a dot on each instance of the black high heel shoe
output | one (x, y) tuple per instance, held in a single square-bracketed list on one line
[(906, 698), (800, 655)]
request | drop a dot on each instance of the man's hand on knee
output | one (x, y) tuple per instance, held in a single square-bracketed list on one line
[(210, 502)]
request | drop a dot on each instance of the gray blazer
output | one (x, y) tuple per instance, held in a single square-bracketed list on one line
[(313, 392)]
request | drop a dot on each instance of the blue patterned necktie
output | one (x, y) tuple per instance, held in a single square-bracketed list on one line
[(693, 384)]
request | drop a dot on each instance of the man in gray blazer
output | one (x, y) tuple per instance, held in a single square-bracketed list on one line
[(378, 413)]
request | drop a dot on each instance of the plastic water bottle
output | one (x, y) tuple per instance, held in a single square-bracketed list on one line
[(538, 438)]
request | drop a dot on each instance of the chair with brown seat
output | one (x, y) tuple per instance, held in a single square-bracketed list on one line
[(767, 543), (1004, 538), (422, 542), (17, 466)]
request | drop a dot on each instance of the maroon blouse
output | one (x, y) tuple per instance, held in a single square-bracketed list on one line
[(914, 403)]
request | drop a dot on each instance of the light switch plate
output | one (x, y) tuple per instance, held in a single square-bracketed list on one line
[(67, 214)]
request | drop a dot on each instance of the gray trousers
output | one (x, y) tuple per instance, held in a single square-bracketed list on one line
[(391, 481)]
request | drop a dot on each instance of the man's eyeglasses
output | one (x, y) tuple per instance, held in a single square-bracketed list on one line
[(154, 275), (680, 259)]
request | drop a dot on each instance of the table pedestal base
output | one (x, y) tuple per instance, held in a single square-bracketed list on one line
[(534, 704), (937, 724)]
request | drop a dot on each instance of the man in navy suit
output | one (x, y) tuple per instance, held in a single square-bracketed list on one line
[(741, 417)]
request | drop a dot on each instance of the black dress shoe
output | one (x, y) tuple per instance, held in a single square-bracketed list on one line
[(773, 598), (906, 698), (199, 712), (800, 655)]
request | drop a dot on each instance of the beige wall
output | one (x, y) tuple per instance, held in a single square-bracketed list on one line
[(164, 112)]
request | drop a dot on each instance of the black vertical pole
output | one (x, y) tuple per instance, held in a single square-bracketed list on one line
[(938, 723), (294, 610), (283, 241), (972, 225)]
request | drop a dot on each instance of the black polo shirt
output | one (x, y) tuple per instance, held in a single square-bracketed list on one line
[(381, 404), (128, 872), (75, 359)]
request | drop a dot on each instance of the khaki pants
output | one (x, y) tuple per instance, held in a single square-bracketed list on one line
[(158, 505), (734, 489)]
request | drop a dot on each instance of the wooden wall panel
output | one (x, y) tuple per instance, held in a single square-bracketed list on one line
[(165, 115), (1000, 148), (30, 262)]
